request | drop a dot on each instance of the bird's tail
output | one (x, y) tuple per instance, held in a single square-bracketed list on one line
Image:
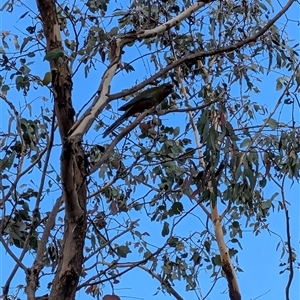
[(114, 125)]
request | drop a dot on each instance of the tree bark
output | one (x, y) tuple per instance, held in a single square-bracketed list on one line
[(73, 170)]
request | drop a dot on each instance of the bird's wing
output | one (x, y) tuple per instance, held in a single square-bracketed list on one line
[(144, 95)]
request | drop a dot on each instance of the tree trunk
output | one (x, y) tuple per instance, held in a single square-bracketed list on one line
[(73, 169)]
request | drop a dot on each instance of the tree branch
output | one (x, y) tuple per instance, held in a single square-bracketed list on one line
[(199, 54)]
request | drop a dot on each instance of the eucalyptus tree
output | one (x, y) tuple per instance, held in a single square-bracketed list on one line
[(170, 191)]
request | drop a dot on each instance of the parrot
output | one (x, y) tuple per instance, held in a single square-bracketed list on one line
[(143, 101)]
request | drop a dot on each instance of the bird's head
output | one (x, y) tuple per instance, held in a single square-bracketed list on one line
[(166, 89)]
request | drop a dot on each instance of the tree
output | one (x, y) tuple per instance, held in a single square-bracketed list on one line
[(210, 171)]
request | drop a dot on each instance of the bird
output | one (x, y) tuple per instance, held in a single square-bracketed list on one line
[(143, 101)]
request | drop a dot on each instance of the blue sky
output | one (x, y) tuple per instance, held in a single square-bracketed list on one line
[(259, 258)]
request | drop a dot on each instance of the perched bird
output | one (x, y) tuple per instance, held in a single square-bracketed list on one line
[(143, 101)]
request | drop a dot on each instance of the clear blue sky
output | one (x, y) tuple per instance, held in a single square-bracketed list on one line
[(258, 258)]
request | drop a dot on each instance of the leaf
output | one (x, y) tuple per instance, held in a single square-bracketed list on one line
[(113, 208), (47, 78), (4, 5), (245, 143), (216, 260), (278, 85), (25, 41), (176, 131), (31, 29), (202, 121), (16, 43), (102, 54), (123, 251), (266, 204), (172, 241), (274, 196), (5, 45), (232, 252), (251, 177), (93, 289), (54, 54), (137, 206), (207, 245), (70, 44), (147, 254), (298, 79), (31, 54), (7, 162), (196, 258), (4, 89), (93, 241), (111, 297), (278, 58), (128, 68), (22, 16), (177, 208), (272, 123), (236, 224), (114, 31), (165, 230), (119, 12), (289, 101)]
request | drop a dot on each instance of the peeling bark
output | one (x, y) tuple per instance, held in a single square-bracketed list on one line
[(73, 171), (227, 267)]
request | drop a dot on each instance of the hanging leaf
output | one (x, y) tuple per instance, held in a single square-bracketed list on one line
[(54, 54), (123, 251), (47, 78), (25, 42), (165, 230), (273, 124)]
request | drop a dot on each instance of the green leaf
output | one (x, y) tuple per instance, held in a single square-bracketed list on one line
[(172, 241), (165, 230), (266, 204), (137, 206), (4, 89), (147, 254), (236, 224), (207, 245), (232, 252), (31, 54), (216, 260), (177, 208), (16, 42), (25, 41), (251, 177), (7, 162), (54, 54), (245, 143), (176, 131), (274, 196), (114, 31), (70, 44), (47, 78), (123, 251), (128, 68), (298, 79), (196, 258), (273, 124)]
